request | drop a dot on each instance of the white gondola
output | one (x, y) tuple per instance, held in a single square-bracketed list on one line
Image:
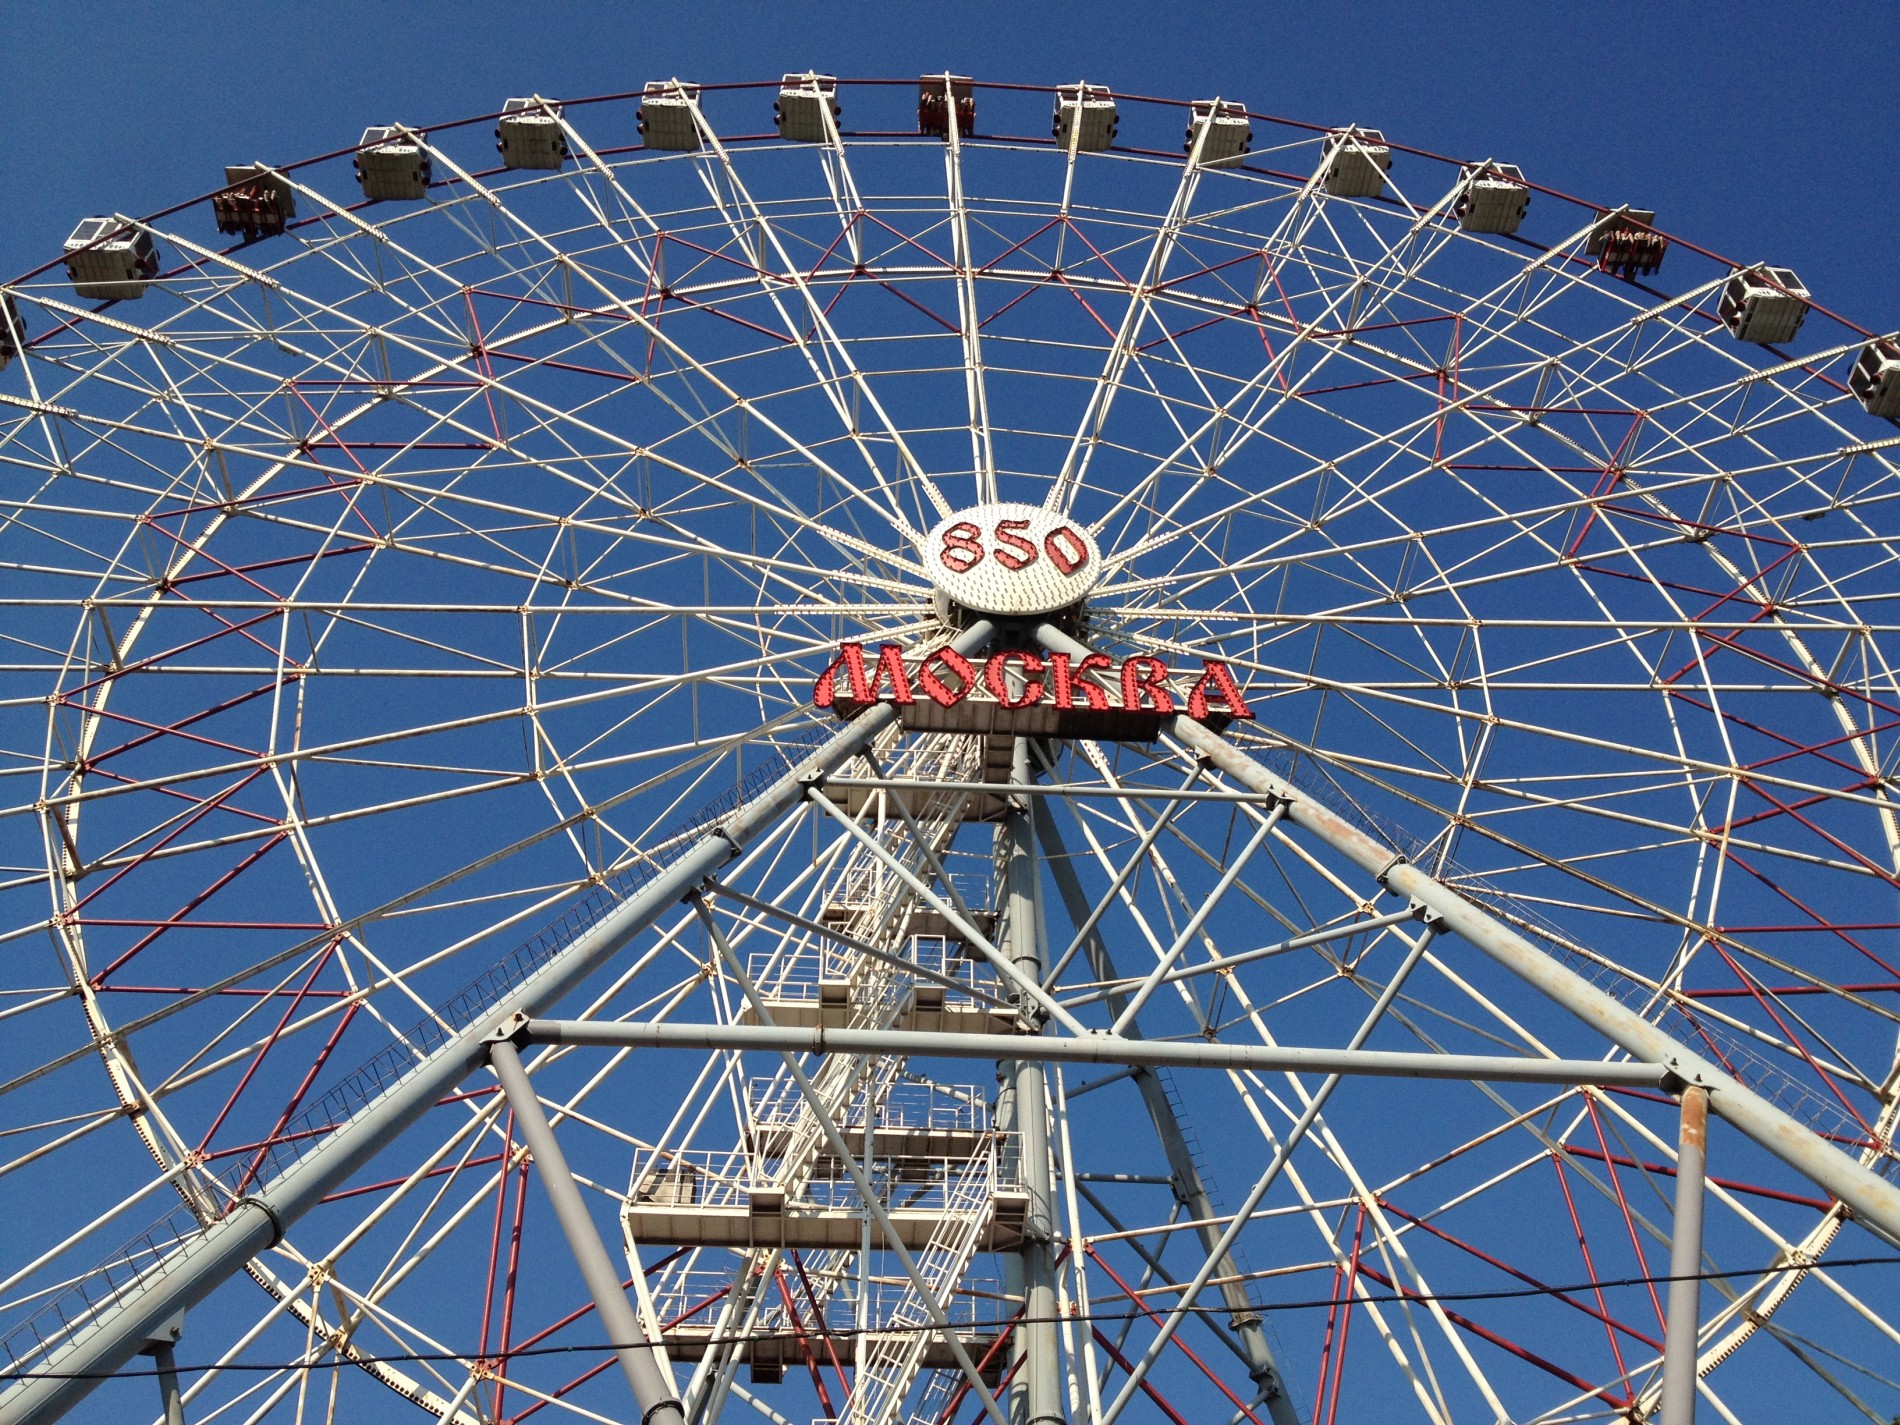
[(1219, 132), (1355, 163), (1875, 379), (802, 102), (1085, 117), (667, 115), (1494, 198), (391, 164), (108, 259), (1765, 305), (529, 135)]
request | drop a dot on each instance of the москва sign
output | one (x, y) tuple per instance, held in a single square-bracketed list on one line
[(1026, 693)]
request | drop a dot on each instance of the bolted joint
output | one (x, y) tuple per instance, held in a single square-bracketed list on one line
[(512, 1030), (164, 1336), (1397, 860), (1681, 1075), (1431, 919)]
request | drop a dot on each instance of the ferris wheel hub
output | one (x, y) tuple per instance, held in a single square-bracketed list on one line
[(1011, 560)]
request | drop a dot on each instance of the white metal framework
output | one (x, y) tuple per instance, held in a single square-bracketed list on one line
[(427, 868)]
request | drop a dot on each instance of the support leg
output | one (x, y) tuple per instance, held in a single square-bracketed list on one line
[(638, 1358), (259, 1222), (1036, 1398), (170, 1400), (1685, 1263), (1875, 1201)]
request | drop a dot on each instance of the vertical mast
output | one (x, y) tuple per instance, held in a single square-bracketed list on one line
[(1035, 1397)]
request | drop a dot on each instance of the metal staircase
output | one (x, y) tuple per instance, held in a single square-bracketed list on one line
[(942, 1175), (889, 1360)]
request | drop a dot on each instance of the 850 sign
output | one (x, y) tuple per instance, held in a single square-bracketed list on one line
[(1064, 546), (1011, 559)]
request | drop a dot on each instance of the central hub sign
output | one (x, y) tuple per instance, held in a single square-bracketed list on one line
[(1011, 559), (1018, 561), (1028, 693)]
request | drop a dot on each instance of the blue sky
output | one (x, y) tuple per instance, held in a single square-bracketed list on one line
[(1763, 132)]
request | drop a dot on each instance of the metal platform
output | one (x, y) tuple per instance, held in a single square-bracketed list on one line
[(830, 990), (922, 1121), (770, 1354), (868, 888), (724, 1199), (930, 1008), (808, 1229)]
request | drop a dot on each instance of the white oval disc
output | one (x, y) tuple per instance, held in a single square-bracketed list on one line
[(1011, 559)]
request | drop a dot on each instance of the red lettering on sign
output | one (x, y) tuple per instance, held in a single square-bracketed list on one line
[(1014, 679), (1013, 551), (961, 551), (950, 661), (1218, 682), (1065, 549), (1143, 687), (996, 675), (1068, 683), (963, 547), (890, 664)]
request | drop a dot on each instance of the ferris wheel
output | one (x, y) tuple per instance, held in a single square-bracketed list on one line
[(920, 753)]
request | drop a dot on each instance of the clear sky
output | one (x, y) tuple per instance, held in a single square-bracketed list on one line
[(1764, 132)]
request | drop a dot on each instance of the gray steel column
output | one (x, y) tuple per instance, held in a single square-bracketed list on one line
[(640, 1359), (171, 1400), (1874, 1200), (1036, 1393), (258, 1222), (1184, 1174), (1685, 1263)]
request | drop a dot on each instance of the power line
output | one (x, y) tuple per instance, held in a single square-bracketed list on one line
[(820, 1332)]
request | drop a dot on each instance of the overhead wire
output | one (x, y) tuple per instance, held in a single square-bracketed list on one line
[(995, 1324)]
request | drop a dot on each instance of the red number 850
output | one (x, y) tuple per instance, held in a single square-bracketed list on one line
[(963, 547)]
